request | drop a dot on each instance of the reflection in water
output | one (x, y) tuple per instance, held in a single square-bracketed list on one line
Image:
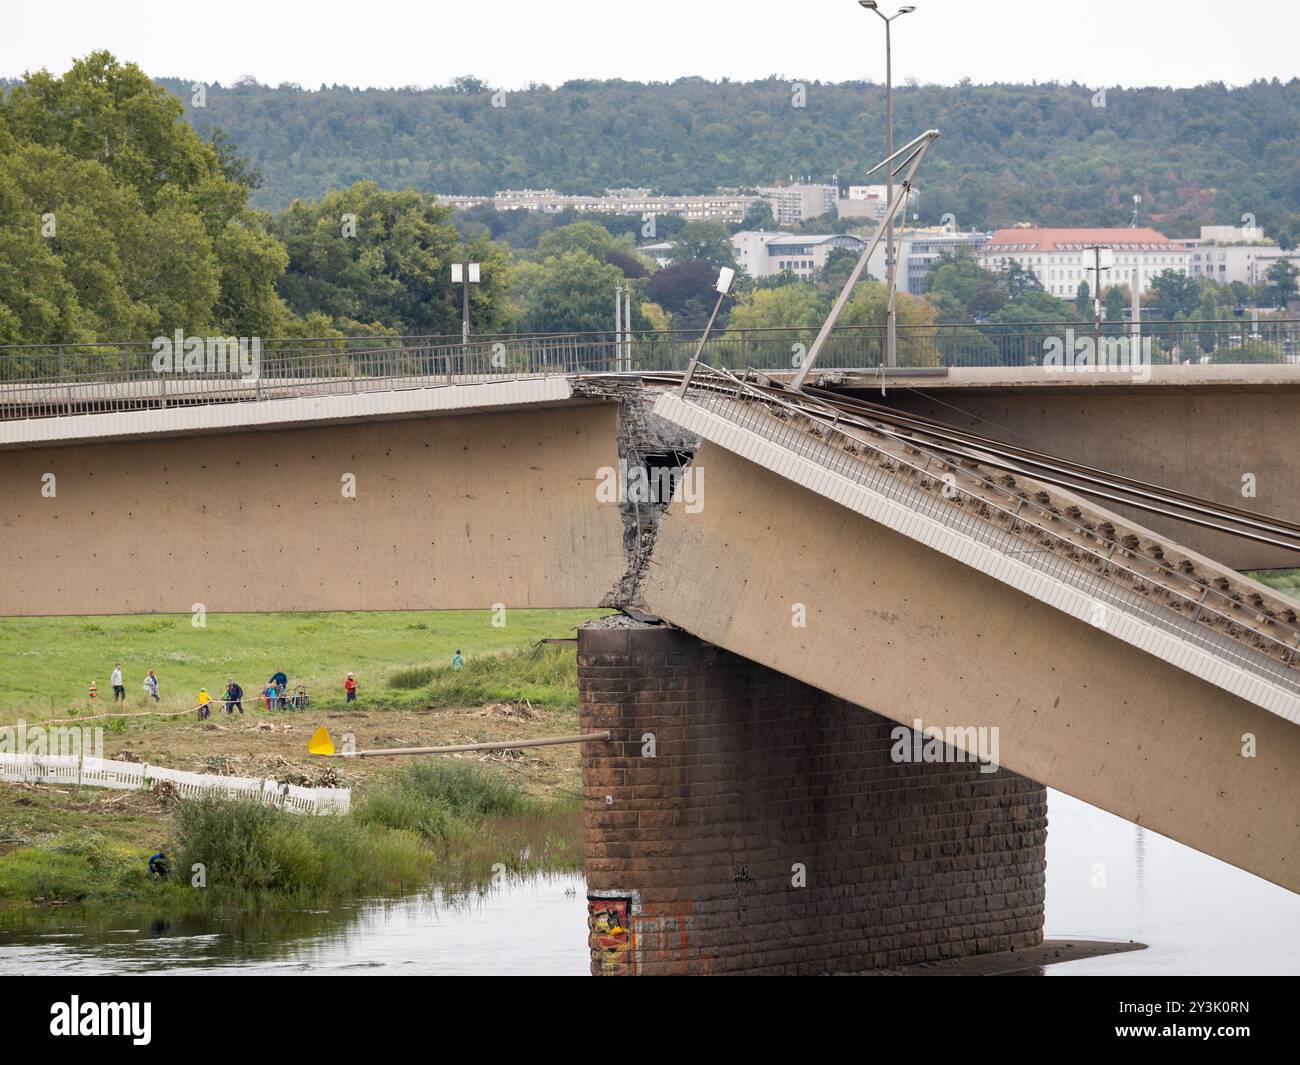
[(535, 926), (1197, 914)]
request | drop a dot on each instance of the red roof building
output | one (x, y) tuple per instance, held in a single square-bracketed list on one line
[(1062, 258)]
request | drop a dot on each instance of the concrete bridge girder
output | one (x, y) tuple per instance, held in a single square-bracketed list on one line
[(464, 507), (1075, 708), (433, 512)]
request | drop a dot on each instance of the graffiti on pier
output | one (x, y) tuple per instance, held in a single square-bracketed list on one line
[(609, 925)]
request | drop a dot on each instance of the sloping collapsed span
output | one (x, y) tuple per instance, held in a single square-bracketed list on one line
[(927, 596), (1118, 667)]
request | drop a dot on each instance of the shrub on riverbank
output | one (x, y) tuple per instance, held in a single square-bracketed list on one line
[(80, 866), (432, 797), (247, 849), (434, 820), (544, 676)]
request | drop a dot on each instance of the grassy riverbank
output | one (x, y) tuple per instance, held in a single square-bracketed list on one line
[(445, 822), (458, 820), (47, 664)]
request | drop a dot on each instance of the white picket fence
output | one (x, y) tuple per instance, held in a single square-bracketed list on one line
[(70, 769)]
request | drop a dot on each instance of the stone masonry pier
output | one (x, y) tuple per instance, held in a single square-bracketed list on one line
[(743, 822)]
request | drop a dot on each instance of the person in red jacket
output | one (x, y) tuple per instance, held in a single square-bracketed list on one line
[(350, 686)]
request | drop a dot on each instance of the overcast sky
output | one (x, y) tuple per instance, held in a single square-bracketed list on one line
[(510, 43)]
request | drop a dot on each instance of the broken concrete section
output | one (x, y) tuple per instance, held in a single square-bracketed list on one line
[(657, 452)]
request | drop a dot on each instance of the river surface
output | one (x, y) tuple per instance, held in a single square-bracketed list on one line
[(1106, 879)]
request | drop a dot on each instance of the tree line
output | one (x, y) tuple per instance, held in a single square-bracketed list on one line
[(1008, 153), (121, 220)]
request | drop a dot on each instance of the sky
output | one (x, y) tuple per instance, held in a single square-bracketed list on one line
[(510, 43)]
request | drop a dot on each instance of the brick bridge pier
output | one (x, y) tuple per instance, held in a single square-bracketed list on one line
[(743, 822)]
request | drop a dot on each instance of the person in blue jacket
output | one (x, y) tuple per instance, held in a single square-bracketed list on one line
[(281, 683)]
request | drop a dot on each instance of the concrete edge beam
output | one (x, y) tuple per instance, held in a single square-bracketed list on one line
[(282, 413), (848, 493)]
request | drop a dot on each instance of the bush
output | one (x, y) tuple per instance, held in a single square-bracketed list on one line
[(72, 868), (431, 797), (545, 676), (250, 850), (413, 678), (1250, 351)]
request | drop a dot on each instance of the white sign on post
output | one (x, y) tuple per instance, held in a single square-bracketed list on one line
[(457, 273)]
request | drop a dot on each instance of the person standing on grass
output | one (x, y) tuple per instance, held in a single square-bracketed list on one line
[(281, 682), (458, 660), (151, 685), (204, 699), (350, 687), (119, 689), (234, 696)]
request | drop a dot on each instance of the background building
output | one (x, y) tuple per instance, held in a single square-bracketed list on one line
[(1061, 258), (727, 204), (1233, 253), (763, 254), (795, 203), (919, 248)]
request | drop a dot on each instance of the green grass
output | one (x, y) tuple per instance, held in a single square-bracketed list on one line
[(543, 676), (254, 854), (442, 821), (437, 821), (1286, 581), (78, 866), (46, 664), (478, 820), (429, 797)]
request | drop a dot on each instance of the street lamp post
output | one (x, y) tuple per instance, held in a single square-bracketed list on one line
[(1104, 259), (891, 339), (464, 274)]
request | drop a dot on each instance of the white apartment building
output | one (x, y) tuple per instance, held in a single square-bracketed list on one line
[(1231, 253), (1062, 258), (727, 204), (869, 202), (794, 203), (918, 249), (763, 254)]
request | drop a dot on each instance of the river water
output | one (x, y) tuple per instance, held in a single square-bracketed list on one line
[(1106, 879)]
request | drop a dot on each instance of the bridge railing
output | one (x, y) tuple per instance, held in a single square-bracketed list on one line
[(73, 380), (1109, 570), (62, 379)]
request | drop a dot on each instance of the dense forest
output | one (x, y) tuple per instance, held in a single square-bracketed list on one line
[(1008, 153), (121, 220)]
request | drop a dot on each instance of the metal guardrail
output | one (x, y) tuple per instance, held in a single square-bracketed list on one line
[(51, 380), (286, 373), (1016, 529)]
